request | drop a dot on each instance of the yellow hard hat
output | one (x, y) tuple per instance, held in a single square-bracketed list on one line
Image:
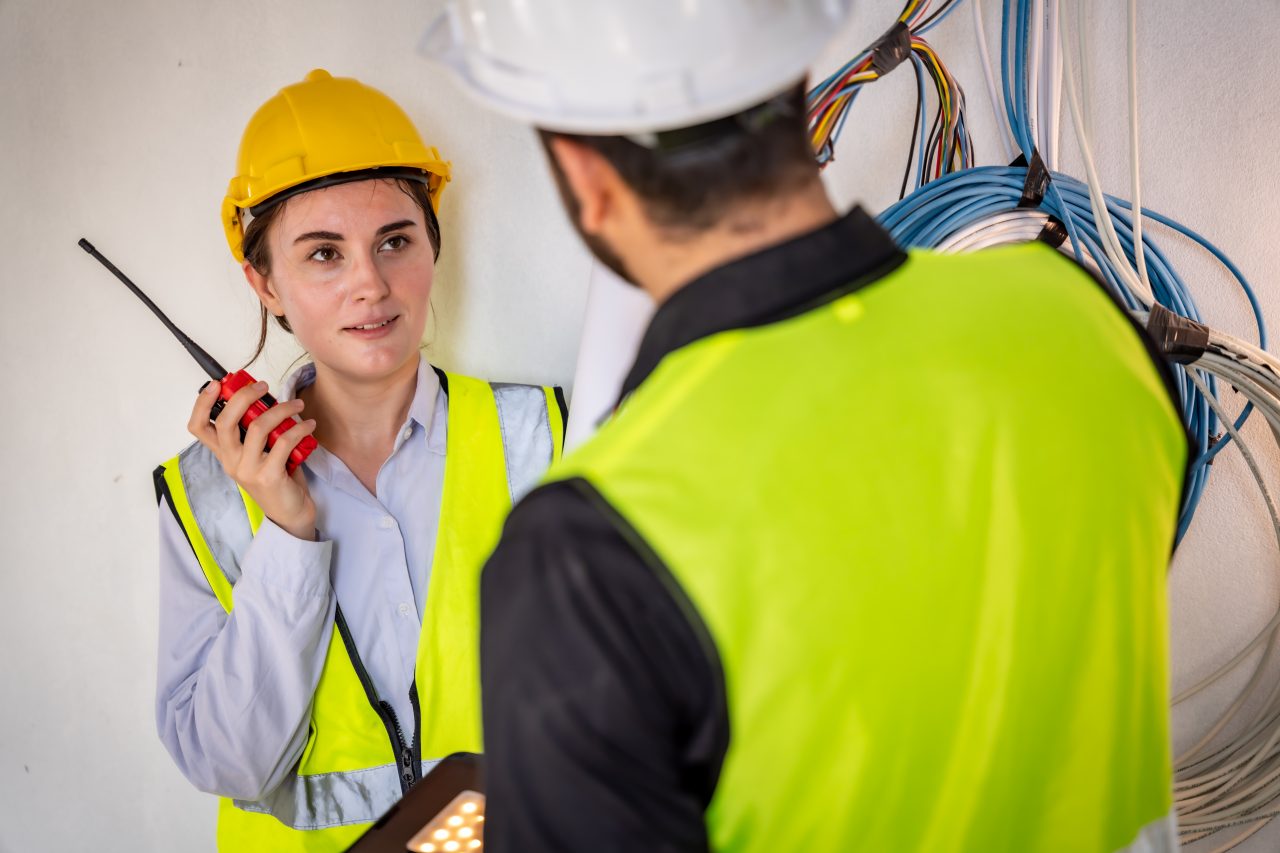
[(322, 131)]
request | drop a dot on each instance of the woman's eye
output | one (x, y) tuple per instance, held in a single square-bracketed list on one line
[(324, 254), (395, 243)]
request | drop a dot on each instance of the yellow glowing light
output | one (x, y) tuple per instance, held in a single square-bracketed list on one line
[(457, 827)]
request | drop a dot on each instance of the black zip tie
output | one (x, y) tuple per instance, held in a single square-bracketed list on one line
[(1054, 232), (891, 49), (1037, 182), (1180, 339)]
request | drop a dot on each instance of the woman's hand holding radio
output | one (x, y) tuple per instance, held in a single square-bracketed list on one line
[(283, 497)]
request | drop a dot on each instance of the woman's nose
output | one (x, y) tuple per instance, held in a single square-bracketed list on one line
[(367, 283)]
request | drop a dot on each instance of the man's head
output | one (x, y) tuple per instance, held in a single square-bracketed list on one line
[(663, 119), (626, 195)]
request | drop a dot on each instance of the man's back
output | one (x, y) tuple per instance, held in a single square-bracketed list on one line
[(920, 527)]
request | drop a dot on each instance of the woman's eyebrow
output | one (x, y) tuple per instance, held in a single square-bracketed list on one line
[(330, 235), (318, 235), (396, 226)]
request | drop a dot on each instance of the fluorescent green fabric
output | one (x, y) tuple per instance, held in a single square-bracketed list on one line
[(927, 528), (348, 739)]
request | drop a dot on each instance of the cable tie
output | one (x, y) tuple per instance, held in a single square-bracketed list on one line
[(1180, 339), (1033, 189), (891, 49), (1054, 232)]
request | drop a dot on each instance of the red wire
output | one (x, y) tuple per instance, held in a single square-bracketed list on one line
[(835, 90)]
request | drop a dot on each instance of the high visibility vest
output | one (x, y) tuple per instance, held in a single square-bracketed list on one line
[(924, 530), (355, 765)]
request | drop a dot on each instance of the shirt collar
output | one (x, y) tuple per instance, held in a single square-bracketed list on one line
[(768, 286), (423, 413)]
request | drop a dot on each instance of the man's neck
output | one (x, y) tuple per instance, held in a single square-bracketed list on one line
[(668, 265)]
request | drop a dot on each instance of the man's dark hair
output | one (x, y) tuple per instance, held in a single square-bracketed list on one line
[(694, 176)]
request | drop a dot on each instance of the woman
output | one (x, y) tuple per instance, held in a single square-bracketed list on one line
[(348, 663)]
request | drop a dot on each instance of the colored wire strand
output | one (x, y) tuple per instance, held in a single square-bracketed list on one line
[(946, 146)]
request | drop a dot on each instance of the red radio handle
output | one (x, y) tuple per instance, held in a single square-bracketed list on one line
[(233, 382)]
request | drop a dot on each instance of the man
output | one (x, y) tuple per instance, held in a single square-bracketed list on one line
[(872, 554)]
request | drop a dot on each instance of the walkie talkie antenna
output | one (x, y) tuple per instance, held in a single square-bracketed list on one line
[(206, 361)]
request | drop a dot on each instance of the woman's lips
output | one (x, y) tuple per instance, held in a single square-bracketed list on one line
[(376, 332)]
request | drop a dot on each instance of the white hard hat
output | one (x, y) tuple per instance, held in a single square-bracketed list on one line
[(619, 67)]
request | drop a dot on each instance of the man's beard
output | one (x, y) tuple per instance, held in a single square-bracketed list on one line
[(603, 252)]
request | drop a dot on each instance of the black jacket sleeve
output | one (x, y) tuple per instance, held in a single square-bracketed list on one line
[(604, 713)]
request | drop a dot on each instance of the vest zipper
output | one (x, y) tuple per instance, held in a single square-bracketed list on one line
[(406, 767), (404, 752)]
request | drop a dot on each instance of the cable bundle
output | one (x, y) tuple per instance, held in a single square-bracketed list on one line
[(987, 206), (946, 146)]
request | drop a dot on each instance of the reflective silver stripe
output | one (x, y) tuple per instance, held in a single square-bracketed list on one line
[(217, 506), (1159, 836), (333, 799), (526, 434)]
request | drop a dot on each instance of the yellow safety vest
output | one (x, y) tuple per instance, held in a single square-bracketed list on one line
[(355, 765), (925, 527)]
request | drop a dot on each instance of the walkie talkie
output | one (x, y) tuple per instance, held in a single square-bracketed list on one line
[(228, 383)]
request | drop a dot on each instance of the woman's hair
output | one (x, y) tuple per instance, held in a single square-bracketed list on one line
[(258, 254)]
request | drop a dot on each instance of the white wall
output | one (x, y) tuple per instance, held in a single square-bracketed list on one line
[(119, 122)]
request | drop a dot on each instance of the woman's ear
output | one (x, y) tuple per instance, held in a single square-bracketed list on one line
[(261, 285)]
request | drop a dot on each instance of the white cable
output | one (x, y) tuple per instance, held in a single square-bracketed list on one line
[(1051, 81), (1011, 226), (1002, 126), (1097, 199), (1139, 251), (1239, 839)]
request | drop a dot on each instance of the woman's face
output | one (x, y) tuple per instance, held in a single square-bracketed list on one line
[(351, 270)]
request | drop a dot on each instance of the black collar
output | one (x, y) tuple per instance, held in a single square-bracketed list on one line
[(771, 285)]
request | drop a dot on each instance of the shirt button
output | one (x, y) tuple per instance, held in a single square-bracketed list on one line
[(386, 522), (405, 608), (408, 431)]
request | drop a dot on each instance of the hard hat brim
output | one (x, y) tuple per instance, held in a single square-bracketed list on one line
[(379, 173)]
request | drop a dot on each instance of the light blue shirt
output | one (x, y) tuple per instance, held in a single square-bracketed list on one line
[(233, 692)]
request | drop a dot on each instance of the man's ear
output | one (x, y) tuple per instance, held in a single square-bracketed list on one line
[(261, 285), (592, 180)]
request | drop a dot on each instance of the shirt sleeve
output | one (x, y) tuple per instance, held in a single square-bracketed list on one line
[(604, 711), (233, 691)]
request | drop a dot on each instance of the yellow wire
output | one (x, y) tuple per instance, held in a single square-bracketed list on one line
[(831, 114), (944, 92)]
